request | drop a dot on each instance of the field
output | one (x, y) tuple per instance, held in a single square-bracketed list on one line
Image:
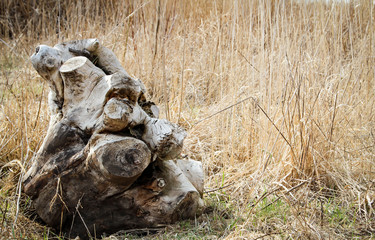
[(278, 98)]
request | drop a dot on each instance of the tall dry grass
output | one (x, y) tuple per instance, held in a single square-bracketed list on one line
[(295, 81)]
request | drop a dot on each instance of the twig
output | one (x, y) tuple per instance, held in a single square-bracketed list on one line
[(11, 49), (282, 135), (293, 188), (83, 221), (264, 195), (333, 119), (217, 189), (222, 110), (39, 107), (264, 112), (247, 61), (3, 145), (129, 16), (257, 104)]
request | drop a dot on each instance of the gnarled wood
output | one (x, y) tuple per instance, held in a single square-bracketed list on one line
[(118, 159), (106, 161)]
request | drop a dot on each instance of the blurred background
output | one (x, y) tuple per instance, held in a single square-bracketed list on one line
[(277, 98)]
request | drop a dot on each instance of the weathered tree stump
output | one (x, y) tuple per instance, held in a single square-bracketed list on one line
[(107, 162)]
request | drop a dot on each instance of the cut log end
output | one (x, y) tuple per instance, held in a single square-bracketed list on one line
[(73, 64), (121, 159)]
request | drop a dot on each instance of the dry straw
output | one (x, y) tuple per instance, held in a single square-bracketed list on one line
[(285, 90)]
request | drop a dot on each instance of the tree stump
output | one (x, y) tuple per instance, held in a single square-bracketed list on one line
[(107, 162)]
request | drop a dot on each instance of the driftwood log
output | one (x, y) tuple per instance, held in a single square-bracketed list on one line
[(107, 162)]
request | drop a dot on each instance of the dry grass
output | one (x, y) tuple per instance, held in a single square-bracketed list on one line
[(294, 158)]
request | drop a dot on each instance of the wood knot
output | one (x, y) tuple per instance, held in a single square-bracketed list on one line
[(161, 182)]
